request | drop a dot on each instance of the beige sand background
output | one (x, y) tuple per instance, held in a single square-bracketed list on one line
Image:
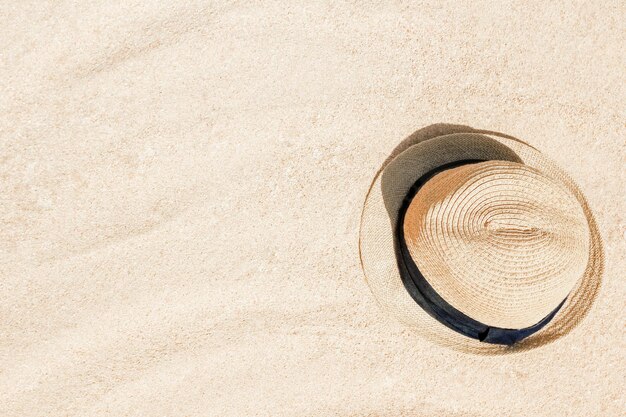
[(181, 185)]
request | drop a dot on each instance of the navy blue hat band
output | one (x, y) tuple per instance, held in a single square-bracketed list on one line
[(425, 295)]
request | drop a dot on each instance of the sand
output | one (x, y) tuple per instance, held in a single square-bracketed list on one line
[(181, 186)]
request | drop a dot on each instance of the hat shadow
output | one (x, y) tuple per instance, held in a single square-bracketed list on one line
[(496, 149), (440, 129), (580, 302)]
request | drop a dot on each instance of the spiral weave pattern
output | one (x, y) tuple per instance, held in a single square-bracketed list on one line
[(502, 242), (498, 240)]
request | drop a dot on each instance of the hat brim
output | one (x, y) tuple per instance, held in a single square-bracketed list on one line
[(378, 249)]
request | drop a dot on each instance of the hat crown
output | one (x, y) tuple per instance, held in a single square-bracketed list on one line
[(499, 241)]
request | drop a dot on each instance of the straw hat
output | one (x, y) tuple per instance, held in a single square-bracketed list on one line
[(480, 243)]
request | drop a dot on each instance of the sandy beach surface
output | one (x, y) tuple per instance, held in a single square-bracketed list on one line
[(181, 185)]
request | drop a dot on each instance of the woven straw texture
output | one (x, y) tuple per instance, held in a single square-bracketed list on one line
[(540, 182), (501, 242)]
